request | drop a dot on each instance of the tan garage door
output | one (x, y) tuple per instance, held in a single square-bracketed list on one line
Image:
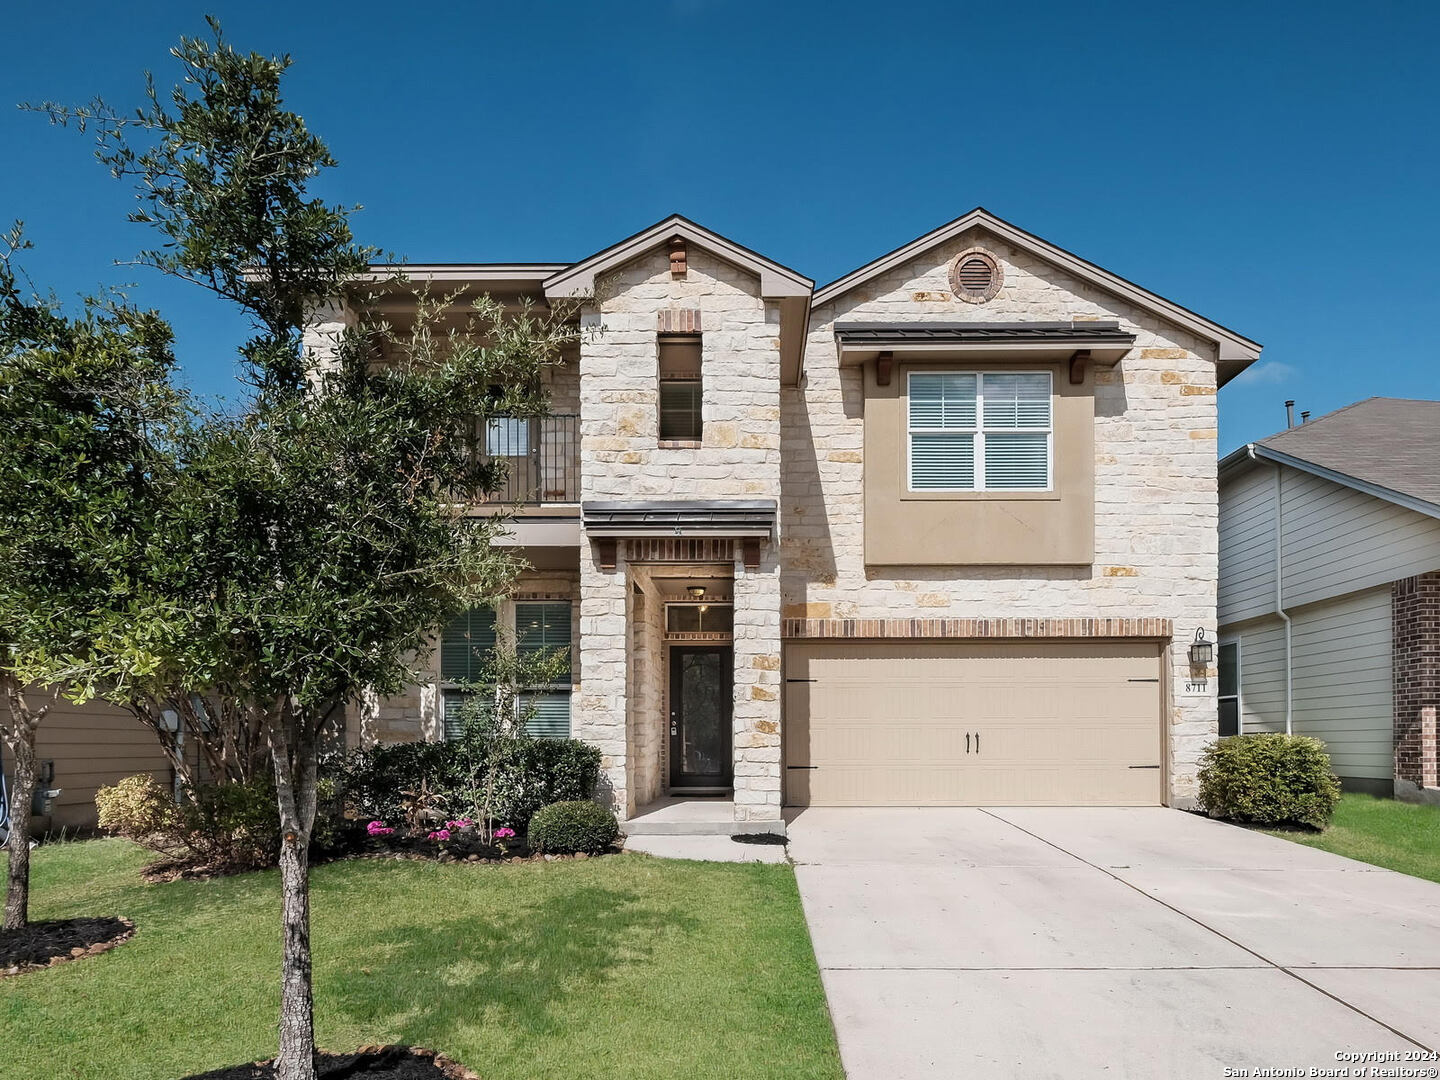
[(935, 724)]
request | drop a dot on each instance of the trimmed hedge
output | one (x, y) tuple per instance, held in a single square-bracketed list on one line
[(569, 828), (1269, 779)]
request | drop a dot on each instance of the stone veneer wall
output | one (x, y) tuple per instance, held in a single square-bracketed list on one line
[(619, 385), (647, 697), (1415, 606), (1155, 473), (756, 720)]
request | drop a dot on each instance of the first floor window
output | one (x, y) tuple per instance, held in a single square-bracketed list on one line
[(979, 431), (468, 648), (1229, 688)]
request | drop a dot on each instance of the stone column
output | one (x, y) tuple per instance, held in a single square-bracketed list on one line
[(1415, 648), (599, 713), (758, 765)]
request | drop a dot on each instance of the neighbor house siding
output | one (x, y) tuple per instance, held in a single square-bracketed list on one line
[(1341, 679), (1338, 540), (1247, 546)]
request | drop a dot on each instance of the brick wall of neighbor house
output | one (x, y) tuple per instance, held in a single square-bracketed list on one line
[(739, 457), (1155, 476), (1416, 607)]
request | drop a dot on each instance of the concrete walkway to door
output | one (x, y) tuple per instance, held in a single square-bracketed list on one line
[(1107, 942)]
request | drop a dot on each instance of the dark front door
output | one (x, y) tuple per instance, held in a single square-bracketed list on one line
[(700, 698)]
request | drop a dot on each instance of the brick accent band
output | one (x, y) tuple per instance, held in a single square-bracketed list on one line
[(672, 321), (1148, 629), (696, 549)]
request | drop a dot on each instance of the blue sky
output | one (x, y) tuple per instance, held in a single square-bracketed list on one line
[(1273, 166)]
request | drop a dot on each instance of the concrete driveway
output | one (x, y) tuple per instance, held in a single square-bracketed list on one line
[(1108, 942)]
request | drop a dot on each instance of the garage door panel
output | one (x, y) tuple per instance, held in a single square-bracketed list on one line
[(1049, 724)]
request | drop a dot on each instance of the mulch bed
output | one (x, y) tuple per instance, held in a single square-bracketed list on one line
[(45, 944), (369, 1063)]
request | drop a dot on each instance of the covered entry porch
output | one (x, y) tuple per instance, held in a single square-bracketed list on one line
[(680, 664)]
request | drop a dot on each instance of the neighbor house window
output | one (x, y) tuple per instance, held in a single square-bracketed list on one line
[(973, 431), (467, 648), (680, 387), (1229, 663)]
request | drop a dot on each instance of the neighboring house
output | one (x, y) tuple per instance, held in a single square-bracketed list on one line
[(938, 533), (82, 748), (1330, 590)]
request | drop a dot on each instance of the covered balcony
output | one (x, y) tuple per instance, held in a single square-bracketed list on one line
[(541, 457)]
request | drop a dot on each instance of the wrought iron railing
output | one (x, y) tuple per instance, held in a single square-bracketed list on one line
[(540, 458)]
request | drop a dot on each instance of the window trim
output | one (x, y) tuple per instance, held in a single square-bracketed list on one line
[(979, 432), (663, 377), (1239, 694)]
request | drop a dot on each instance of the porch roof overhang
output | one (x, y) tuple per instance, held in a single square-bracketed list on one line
[(718, 518), (1105, 342)]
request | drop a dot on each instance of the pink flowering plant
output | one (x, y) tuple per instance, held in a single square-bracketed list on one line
[(504, 833), (379, 828), (439, 835)]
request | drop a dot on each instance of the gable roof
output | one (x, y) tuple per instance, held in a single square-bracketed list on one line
[(1385, 447), (776, 281), (1234, 351)]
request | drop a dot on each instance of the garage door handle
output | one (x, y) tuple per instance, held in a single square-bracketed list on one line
[(977, 742), (967, 742), (1144, 766), (802, 766)]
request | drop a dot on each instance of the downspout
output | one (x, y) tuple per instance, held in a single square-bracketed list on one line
[(1279, 593)]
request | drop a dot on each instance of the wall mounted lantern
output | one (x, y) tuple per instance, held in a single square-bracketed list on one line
[(1201, 650)]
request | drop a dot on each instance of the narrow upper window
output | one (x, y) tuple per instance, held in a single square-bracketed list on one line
[(680, 387), (973, 431)]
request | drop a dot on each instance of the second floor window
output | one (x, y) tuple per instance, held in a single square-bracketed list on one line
[(979, 431), (680, 388)]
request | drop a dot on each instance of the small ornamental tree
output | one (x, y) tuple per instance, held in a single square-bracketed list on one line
[(86, 407), (314, 542)]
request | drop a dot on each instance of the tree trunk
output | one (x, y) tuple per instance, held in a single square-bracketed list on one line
[(20, 741), (294, 748), (22, 790)]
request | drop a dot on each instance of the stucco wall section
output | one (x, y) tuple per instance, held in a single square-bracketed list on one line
[(1155, 487), (619, 385)]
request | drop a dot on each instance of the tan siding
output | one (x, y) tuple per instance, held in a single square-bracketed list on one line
[(94, 745)]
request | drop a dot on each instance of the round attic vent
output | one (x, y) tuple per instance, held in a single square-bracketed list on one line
[(975, 276)]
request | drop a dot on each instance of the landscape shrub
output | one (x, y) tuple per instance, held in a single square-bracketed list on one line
[(420, 783), (568, 828), (223, 828), (1269, 779)]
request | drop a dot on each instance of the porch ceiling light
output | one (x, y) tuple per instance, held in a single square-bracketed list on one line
[(1201, 650), (696, 591)]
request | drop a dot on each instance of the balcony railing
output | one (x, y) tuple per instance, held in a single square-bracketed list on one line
[(541, 458)]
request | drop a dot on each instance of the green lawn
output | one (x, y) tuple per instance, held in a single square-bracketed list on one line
[(1384, 832), (618, 967)]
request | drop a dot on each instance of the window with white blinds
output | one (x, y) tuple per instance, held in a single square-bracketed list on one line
[(979, 431)]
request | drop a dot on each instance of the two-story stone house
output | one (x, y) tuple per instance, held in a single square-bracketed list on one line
[(941, 532)]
